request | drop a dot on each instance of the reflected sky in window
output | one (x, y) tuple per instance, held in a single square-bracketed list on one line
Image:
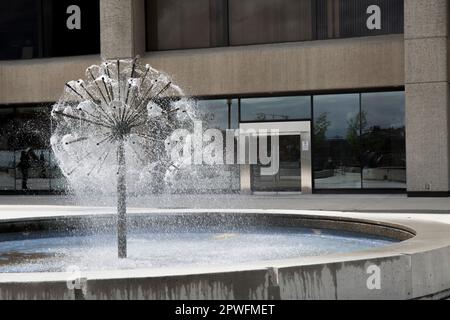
[(213, 113), (384, 109), (340, 110), (276, 109)]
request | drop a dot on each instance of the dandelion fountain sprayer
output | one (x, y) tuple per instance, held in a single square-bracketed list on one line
[(124, 109)]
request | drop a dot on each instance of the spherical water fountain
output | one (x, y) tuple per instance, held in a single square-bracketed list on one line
[(118, 123)]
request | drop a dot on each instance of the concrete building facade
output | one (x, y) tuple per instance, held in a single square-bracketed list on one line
[(404, 69)]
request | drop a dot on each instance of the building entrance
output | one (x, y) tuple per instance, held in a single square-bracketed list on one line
[(293, 173)]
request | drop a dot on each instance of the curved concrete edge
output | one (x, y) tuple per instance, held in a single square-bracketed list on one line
[(416, 268)]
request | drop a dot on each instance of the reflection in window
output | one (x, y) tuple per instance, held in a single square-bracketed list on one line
[(213, 113), (288, 176), (276, 109), (31, 142), (7, 161), (181, 24), (383, 140), (336, 142), (358, 141)]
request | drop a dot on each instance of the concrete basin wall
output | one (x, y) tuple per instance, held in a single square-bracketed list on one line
[(418, 267)]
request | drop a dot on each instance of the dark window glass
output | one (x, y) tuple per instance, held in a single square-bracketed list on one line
[(276, 109), (383, 140), (20, 29), (269, 21), (59, 40), (328, 18), (7, 161), (38, 28), (178, 24), (353, 17), (181, 24), (32, 154), (336, 141), (348, 18)]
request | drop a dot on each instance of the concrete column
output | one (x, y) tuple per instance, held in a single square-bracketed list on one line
[(427, 96), (122, 28)]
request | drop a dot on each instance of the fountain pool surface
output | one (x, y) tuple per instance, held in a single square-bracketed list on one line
[(207, 246), (179, 254)]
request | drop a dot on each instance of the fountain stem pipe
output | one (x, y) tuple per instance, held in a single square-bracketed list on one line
[(121, 202)]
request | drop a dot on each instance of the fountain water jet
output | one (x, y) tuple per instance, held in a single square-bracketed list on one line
[(125, 108)]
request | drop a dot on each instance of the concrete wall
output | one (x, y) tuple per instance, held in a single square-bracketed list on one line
[(39, 80), (427, 95), (319, 65), (403, 277), (122, 28), (236, 285), (315, 65)]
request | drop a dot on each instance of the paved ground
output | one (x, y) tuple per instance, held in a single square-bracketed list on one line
[(348, 203), (367, 206)]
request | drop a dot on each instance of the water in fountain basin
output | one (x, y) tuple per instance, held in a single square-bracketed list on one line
[(164, 249)]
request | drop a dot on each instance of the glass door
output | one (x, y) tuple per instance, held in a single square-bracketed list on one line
[(288, 175)]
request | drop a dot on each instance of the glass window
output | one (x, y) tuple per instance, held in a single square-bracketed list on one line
[(19, 29), (383, 140), (276, 109), (348, 18), (59, 39), (353, 21), (32, 154), (336, 142), (213, 113), (40, 28), (269, 21), (7, 161), (181, 24), (234, 114)]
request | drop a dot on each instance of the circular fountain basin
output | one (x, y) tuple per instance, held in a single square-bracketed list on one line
[(220, 254), (196, 246)]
